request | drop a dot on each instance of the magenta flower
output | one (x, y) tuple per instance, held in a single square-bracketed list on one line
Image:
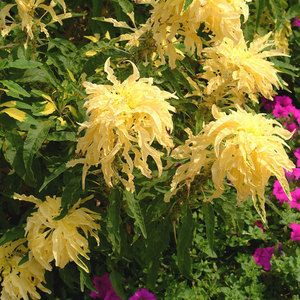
[(283, 100), (259, 224), (296, 198), (295, 235), (142, 294), (297, 154), (294, 175), (279, 193), (296, 22), (262, 257), (104, 288)]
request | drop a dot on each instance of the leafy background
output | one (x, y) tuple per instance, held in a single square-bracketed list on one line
[(184, 249)]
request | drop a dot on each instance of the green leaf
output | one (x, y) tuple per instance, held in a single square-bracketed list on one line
[(209, 219), (34, 140), (157, 242), (12, 234), (134, 211), (14, 151), (62, 136), (23, 64), (293, 11), (260, 6), (278, 12), (114, 219), (14, 88), (187, 3), (116, 282), (126, 5), (85, 280), (55, 174), (71, 193), (184, 242), (24, 259), (16, 104)]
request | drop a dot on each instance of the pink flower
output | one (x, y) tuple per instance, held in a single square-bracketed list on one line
[(104, 288), (296, 22), (283, 100), (296, 198), (297, 154), (142, 294), (280, 111), (259, 224), (294, 175), (295, 235), (262, 257), (279, 193)]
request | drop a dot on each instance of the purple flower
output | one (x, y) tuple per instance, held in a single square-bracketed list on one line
[(262, 257), (104, 288), (297, 154), (259, 224), (296, 22), (279, 193), (295, 235), (295, 198), (142, 294), (268, 104)]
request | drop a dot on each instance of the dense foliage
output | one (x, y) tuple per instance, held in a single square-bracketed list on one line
[(150, 146)]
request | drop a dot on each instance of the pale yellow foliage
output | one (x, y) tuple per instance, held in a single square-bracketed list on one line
[(237, 66), (124, 120), (281, 38), (62, 240), (247, 149), (27, 11), (19, 281), (170, 24)]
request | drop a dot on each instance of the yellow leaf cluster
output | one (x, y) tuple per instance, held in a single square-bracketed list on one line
[(246, 148), (62, 240), (19, 281), (171, 24), (27, 11), (124, 120), (239, 70)]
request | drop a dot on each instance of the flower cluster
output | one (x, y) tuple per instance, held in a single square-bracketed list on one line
[(124, 120)]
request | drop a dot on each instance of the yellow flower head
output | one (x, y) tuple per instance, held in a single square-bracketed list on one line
[(171, 23), (27, 10), (62, 240), (124, 118), (20, 281), (237, 66), (247, 149)]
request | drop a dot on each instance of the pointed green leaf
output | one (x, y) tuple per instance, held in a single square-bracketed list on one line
[(15, 88), (260, 6), (114, 219), (55, 174), (34, 140), (209, 219), (23, 64), (12, 234), (184, 242), (134, 211)]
